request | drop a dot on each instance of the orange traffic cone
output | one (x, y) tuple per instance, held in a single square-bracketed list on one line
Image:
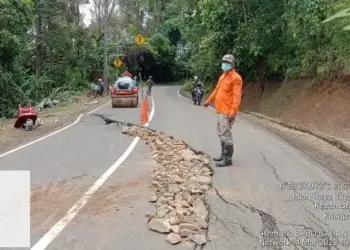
[(144, 113)]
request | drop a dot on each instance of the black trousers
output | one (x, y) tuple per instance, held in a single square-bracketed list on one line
[(149, 90)]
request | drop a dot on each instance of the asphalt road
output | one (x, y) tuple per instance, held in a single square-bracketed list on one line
[(250, 199)]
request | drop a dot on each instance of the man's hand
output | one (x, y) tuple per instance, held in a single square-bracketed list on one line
[(231, 118)]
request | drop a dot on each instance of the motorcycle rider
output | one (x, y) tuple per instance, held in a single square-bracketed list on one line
[(196, 84)]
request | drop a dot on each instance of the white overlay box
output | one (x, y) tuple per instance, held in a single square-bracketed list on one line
[(15, 209)]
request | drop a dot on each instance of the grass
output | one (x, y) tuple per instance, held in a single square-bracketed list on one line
[(187, 86), (178, 83)]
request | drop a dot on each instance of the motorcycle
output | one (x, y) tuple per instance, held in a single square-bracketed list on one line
[(198, 95)]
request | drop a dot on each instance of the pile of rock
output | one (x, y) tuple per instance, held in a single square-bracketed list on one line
[(179, 183)]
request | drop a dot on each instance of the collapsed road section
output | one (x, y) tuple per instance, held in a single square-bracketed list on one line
[(184, 198), (179, 184)]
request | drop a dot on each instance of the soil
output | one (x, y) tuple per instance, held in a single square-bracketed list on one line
[(322, 106), (53, 119), (113, 198), (52, 201)]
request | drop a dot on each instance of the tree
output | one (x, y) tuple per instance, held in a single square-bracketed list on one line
[(45, 50)]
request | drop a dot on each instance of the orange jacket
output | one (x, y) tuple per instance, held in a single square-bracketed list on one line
[(227, 94)]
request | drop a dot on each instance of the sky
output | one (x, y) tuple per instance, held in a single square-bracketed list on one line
[(85, 10)]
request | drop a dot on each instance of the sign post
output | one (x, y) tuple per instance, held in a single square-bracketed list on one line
[(117, 57), (105, 68), (139, 39), (141, 83)]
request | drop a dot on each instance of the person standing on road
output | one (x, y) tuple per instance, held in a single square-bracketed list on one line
[(149, 84), (136, 82), (227, 99)]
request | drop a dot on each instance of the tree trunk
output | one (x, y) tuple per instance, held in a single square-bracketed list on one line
[(78, 14), (141, 17), (99, 19)]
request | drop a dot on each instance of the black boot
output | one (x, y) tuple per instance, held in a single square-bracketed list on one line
[(227, 160), (221, 157)]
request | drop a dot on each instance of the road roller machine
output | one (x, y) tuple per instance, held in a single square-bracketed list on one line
[(124, 97)]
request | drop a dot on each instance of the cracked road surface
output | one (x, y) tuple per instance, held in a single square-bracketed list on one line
[(255, 196), (250, 199)]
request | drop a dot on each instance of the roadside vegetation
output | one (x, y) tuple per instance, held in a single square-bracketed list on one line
[(48, 55)]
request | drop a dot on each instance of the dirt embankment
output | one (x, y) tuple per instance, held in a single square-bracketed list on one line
[(322, 106)]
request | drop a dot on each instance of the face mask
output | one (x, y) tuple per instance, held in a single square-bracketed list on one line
[(226, 66)]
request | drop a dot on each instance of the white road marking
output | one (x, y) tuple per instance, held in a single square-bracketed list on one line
[(60, 225), (51, 134), (94, 110), (178, 93)]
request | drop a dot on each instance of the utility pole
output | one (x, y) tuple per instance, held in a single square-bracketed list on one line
[(38, 41), (117, 47), (105, 70), (117, 55)]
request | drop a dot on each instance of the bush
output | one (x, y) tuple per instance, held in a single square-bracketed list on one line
[(187, 86)]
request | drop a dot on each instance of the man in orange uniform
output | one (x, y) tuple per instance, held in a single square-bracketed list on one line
[(227, 99)]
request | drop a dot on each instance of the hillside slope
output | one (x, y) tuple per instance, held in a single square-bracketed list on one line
[(323, 106)]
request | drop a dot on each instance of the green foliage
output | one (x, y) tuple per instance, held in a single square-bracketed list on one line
[(155, 58), (270, 40), (340, 14), (187, 86), (70, 55)]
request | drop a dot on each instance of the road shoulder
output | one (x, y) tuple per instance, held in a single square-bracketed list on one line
[(53, 119), (332, 158)]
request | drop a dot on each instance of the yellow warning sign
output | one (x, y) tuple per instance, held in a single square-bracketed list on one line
[(118, 63), (139, 39)]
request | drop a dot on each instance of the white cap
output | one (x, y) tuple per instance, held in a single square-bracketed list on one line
[(229, 58)]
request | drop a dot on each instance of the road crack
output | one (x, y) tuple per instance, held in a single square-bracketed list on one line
[(269, 223), (274, 170), (226, 201), (230, 225)]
